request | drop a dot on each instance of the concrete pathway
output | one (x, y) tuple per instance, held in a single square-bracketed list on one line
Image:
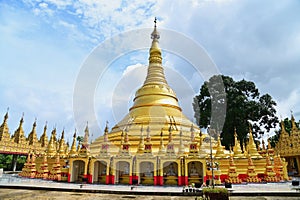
[(250, 190)]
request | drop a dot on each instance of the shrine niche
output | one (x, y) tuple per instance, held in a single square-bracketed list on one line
[(123, 172), (147, 173), (170, 172), (195, 172), (78, 172), (100, 172)]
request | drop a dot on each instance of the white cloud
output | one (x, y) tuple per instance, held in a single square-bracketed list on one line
[(288, 104)]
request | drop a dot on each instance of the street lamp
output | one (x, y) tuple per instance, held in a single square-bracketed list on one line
[(211, 157)]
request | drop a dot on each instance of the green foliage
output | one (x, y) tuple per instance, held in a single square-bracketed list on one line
[(20, 162), (79, 139), (6, 162), (238, 102)]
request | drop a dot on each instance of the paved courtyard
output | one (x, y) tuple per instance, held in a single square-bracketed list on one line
[(48, 190), (18, 194)]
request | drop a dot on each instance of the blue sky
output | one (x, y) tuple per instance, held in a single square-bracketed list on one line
[(44, 44)]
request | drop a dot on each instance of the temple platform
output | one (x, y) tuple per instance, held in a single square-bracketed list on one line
[(260, 189)]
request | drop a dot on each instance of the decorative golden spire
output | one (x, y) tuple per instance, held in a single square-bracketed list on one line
[(155, 73), (170, 146), (148, 138), (61, 149), (170, 134), (155, 51), (106, 132), (51, 149), (294, 126), (252, 150), (148, 144), (4, 130), (86, 135), (44, 139), (105, 145), (19, 133), (32, 137), (73, 151), (141, 143), (181, 150), (237, 147), (220, 149), (162, 148)]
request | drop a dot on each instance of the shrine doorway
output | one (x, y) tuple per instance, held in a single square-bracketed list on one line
[(78, 171), (100, 171), (195, 172), (170, 172), (146, 173), (123, 172)]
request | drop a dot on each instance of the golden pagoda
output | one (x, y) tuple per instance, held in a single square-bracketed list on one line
[(288, 147), (154, 144), (155, 106)]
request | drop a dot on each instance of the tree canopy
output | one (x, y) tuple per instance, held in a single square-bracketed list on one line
[(225, 104)]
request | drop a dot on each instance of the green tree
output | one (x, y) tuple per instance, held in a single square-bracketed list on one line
[(238, 102), (6, 162), (79, 139)]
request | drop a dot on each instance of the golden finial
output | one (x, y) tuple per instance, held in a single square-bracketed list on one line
[(34, 123), (22, 119), (155, 35), (6, 115), (106, 128)]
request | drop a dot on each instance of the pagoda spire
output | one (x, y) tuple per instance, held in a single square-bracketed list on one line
[(181, 150), (73, 151), (85, 143), (294, 126), (4, 130), (44, 139), (51, 148), (162, 148), (141, 143), (237, 147), (61, 149), (220, 149), (105, 145), (32, 137), (252, 150), (86, 134), (106, 132), (170, 146), (19, 133), (155, 73), (148, 144)]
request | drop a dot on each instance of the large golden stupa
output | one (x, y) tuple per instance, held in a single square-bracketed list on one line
[(154, 144), (155, 108)]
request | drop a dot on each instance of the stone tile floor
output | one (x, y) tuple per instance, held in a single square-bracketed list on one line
[(18, 194), (12, 194)]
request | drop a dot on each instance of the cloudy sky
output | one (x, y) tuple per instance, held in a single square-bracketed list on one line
[(44, 46)]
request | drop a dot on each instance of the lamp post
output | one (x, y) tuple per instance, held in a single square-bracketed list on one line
[(211, 157)]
